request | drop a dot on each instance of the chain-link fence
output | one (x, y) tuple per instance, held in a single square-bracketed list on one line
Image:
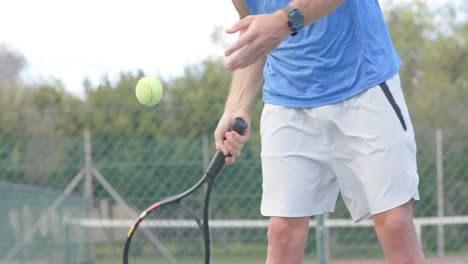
[(34, 225), (96, 177), (75, 171)]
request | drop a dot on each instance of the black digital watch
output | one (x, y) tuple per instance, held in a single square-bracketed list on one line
[(295, 19)]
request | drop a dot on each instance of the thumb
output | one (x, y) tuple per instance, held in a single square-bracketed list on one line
[(240, 25), (219, 143)]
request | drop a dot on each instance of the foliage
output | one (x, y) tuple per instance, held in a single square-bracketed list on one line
[(150, 153), (435, 71), (42, 125)]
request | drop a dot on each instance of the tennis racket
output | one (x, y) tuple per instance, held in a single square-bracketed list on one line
[(170, 231)]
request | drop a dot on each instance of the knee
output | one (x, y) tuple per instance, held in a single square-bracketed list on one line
[(397, 235), (279, 235), (286, 239), (394, 224), (286, 232)]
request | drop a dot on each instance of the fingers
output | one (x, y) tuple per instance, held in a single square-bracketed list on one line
[(230, 160), (240, 25), (260, 34), (243, 58), (243, 41), (242, 44), (230, 143), (233, 144)]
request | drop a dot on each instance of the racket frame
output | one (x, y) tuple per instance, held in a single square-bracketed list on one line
[(214, 168)]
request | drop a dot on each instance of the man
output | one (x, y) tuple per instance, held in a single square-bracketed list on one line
[(334, 120)]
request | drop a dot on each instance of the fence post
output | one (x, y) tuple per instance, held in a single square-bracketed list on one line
[(418, 228), (320, 239), (67, 241), (440, 192), (22, 238), (88, 187), (326, 234)]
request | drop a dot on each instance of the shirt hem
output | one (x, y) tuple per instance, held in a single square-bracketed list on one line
[(269, 99)]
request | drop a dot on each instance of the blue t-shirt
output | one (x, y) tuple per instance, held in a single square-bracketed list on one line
[(333, 59)]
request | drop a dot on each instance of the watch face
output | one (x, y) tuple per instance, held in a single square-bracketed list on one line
[(296, 20)]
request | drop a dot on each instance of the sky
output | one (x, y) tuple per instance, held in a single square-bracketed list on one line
[(72, 40)]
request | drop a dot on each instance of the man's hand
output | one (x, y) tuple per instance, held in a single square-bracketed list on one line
[(230, 142), (260, 34)]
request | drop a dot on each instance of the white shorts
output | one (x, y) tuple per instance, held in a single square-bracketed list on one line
[(362, 147)]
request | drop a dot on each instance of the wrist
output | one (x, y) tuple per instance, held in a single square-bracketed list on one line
[(231, 112), (295, 19), (282, 19)]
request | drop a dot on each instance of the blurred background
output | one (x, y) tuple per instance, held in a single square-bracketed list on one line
[(79, 156)]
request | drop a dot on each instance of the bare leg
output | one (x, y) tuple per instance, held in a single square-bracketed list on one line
[(287, 239), (397, 235)]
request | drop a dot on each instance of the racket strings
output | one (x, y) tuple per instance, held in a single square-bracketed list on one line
[(168, 235)]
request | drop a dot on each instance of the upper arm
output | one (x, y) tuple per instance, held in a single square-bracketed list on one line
[(241, 8)]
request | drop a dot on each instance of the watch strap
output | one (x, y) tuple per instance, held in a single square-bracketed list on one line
[(288, 9)]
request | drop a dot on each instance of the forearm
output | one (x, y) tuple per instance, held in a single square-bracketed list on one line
[(313, 10), (244, 86)]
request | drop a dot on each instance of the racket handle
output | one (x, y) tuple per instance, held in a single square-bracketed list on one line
[(239, 125), (218, 160)]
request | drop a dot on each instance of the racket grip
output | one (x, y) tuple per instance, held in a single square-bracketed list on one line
[(239, 125), (218, 160)]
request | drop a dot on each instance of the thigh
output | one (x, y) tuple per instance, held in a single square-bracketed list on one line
[(297, 180)]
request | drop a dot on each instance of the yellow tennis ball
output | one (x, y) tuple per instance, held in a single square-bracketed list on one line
[(149, 91)]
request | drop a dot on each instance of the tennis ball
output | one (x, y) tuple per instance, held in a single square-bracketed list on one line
[(149, 91)]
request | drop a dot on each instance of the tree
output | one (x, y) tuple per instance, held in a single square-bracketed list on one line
[(11, 65), (435, 69)]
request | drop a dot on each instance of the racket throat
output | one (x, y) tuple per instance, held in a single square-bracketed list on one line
[(216, 165)]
